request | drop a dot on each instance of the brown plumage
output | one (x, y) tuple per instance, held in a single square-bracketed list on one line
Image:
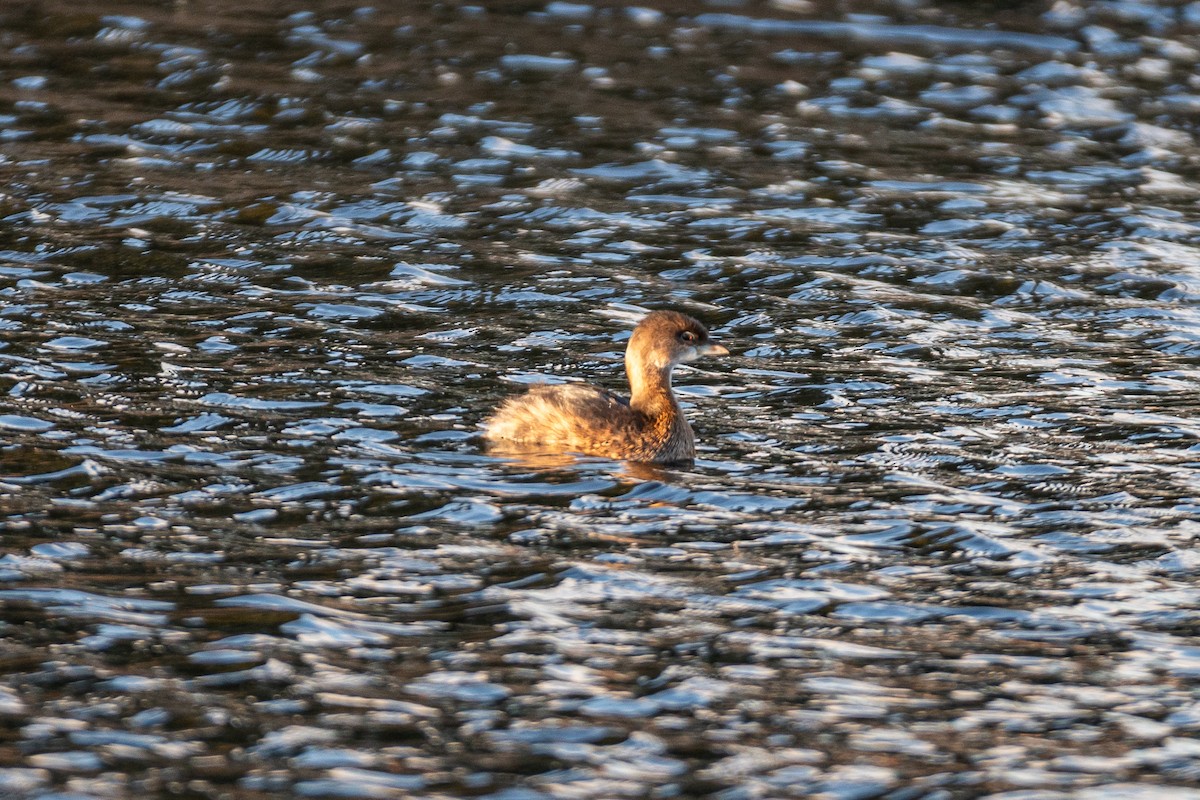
[(576, 418)]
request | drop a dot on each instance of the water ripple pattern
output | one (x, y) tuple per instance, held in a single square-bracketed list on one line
[(264, 269)]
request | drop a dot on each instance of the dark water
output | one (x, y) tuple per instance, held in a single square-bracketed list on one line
[(263, 271)]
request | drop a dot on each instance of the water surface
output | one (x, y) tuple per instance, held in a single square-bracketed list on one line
[(263, 271)]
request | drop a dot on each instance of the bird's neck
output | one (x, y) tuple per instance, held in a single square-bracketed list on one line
[(650, 389)]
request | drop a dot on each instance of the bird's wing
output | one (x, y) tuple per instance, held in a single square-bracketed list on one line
[(569, 415)]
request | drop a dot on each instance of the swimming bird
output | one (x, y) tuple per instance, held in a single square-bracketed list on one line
[(577, 418)]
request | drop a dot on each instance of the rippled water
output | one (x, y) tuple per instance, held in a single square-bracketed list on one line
[(264, 270)]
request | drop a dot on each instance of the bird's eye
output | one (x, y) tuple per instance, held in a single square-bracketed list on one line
[(687, 337)]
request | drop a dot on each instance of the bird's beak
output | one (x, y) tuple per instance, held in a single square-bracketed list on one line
[(712, 349)]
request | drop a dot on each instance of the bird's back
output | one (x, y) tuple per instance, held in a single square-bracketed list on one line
[(584, 419)]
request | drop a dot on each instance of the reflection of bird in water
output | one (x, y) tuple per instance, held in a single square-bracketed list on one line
[(576, 418)]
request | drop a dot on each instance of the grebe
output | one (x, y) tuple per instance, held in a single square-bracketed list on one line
[(577, 418)]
